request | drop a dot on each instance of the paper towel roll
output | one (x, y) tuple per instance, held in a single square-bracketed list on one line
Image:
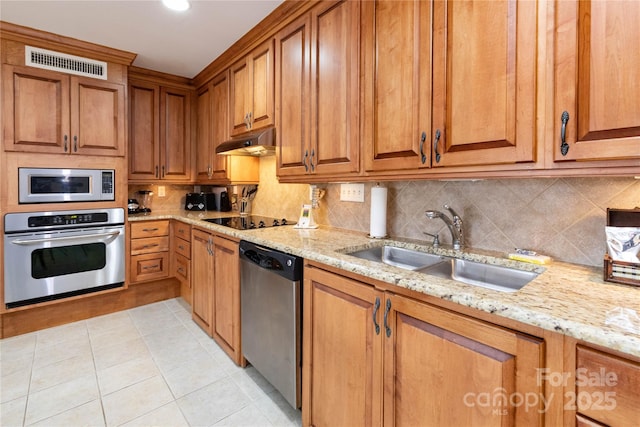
[(378, 221)]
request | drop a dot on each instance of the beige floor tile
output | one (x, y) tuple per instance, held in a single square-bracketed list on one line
[(87, 415), (213, 403), (120, 352), (46, 355), (168, 415), (60, 398), (101, 324), (14, 385), (60, 372), (107, 338), (54, 336), (12, 412), (126, 374), (136, 400), (193, 374), (18, 347), (278, 410), (249, 416), (252, 383), (19, 364)]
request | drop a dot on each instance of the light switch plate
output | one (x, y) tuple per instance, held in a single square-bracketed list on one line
[(352, 192), (161, 192)]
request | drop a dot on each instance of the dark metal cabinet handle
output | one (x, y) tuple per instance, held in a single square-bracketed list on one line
[(157, 172), (313, 153), (66, 138), (75, 144), (564, 147), (386, 318), (304, 160), (149, 230), (435, 145), (163, 171), (376, 307), (423, 138)]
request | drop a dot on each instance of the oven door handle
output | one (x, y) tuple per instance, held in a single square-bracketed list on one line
[(102, 237)]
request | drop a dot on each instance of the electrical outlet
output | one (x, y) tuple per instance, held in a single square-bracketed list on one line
[(352, 192), (161, 192)]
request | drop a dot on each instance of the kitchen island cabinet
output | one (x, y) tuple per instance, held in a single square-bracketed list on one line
[(216, 289), (597, 95), (374, 358)]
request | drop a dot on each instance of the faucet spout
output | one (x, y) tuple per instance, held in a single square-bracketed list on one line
[(454, 224)]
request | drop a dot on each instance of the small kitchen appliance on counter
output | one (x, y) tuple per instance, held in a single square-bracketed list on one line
[(200, 202), (146, 196), (249, 222), (619, 223), (132, 206)]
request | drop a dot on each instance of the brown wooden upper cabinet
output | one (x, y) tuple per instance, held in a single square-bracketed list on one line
[(159, 132), (251, 96), (212, 130), (317, 92), (443, 85), (597, 75), (51, 112)]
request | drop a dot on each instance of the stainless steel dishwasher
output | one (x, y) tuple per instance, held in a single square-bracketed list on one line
[(271, 286)]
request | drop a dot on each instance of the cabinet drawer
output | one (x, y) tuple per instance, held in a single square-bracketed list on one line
[(149, 229), (149, 266), (182, 269), (149, 245), (607, 387), (182, 230), (182, 247)]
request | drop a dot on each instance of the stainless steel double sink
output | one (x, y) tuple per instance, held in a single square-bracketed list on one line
[(490, 276)]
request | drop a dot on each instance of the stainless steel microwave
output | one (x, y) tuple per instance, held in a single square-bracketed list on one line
[(51, 185)]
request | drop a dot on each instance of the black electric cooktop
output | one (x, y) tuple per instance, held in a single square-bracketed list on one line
[(250, 222)]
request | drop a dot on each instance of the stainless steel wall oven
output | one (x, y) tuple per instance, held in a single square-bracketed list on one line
[(50, 255)]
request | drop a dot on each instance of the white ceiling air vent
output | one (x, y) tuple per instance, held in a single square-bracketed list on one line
[(56, 61)]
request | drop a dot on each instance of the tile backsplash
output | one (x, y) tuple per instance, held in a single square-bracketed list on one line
[(560, 217)]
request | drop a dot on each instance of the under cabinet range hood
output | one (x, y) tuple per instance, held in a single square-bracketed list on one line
[(259, 143)]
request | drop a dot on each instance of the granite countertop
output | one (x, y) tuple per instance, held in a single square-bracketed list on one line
[(573, 300)]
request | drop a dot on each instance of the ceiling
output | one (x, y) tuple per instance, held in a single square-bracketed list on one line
[(180, 43)]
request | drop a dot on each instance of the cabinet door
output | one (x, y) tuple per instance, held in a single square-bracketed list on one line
[(262, 80), (97, 117), (226, 297), (396, 85), (35, 109), (293, 47), (484, 75), (597, 70), (342, 352), (335, 83), (175, 137), (454, 370), (219, 125), (204, 155), (144, 130), (240, 86), (202, 273)]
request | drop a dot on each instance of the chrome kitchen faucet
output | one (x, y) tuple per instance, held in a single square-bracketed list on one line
[(455, 225)]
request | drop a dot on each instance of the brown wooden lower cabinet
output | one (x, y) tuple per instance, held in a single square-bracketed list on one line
[(149, 251), (216, 290), (374, 358), (607, 389)]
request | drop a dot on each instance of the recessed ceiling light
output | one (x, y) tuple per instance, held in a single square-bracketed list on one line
[(177, 5)]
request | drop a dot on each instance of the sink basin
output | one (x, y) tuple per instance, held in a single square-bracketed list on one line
[(495, 277), (399, 257)]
